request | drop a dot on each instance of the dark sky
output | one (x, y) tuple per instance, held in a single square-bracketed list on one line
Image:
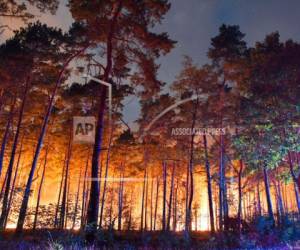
[(193, 22)]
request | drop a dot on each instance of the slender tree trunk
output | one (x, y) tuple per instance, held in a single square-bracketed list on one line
[(86, 203), (240, 195), (121, 201), (3, 186), (223, 206), (151, 204), (146, 203), (191, 166), (164, 196), (220, 199), (216, 207), (6, 133), (144, 190), (284, 197), (100, 181), (268, 193), (170, 198), (84, 192), (293, 174), (190, 178), (77, 200), (105, 181), (196, 219), (120, 196), (67, 203), (258, 199), (12, 159), (130, 212), (111, 221), (156, 203), (23, 209), (40, 189), (209, 190), (175, 208), (280, 210), (111, 226), (57, 210), (14, 182), (187, 190), (64, 197), (280, 196)]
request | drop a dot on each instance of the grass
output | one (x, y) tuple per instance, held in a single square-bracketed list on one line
[(74, 240)]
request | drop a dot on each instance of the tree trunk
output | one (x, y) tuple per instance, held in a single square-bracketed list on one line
[(258, 199), (190, 177), (6, 133), (156, 203), (93, 207), (170, 198), (187, 190), (209, 190), (146, 203), (216, 207), (223, 206), (64, 197), (175, 208), (280, 210), (3, 186), (14, 181), (144, 190), (67, 203), (76, 201), (284, 196), (120, 196), (196, 219), (268, 193), (57, 210), (111, 224), (151, 204), (40, 189), (12, 158), (164, 196), (130, 212), (191, 186), (82, 221), (294, 177), (240, 195), (23, 209), (86, 203), (104, 184)]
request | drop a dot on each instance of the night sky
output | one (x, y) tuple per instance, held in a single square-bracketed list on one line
[(193, 22)]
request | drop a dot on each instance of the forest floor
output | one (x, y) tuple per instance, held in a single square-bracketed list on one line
[(60, 240)]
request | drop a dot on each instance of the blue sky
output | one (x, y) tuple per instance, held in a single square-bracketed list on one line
[(193, 22)]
